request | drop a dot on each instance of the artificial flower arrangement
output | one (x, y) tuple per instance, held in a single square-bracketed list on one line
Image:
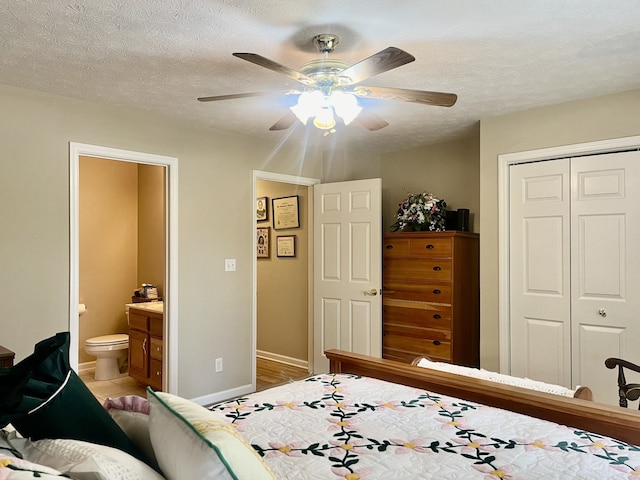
[(421, 212)]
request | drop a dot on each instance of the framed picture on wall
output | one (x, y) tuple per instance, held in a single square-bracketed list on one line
[(286, 246), (262, 209), (285, 213), (262, 249)]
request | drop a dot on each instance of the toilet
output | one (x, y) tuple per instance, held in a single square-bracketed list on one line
[(110, 352)]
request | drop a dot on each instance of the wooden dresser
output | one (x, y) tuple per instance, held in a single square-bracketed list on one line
[(431, 298), (145, 347)]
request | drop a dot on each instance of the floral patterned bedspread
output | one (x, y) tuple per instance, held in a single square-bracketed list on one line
[(357, 428)]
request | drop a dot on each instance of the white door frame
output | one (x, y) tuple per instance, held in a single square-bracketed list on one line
[(76, 150), (292, 179), (504, 161)]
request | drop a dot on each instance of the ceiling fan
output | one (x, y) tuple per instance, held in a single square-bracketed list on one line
[(330, 87)]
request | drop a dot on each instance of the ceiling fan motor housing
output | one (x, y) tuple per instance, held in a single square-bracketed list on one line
[(326, 42)]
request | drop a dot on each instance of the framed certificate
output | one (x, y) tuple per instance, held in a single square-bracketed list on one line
[(285, 213), (286, 246)]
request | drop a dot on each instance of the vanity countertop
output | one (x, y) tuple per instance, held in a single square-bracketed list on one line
[(148, 306)]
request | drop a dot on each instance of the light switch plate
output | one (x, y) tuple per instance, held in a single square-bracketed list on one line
[(230, 265)]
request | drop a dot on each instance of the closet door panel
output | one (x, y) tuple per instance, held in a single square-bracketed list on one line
[(605, 268), (539, 271), (545, 350), (597, 343)]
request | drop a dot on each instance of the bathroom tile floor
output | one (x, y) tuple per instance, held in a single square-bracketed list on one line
[(117, 387)]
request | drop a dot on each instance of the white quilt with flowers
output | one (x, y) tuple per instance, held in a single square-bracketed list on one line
[(356, 428)]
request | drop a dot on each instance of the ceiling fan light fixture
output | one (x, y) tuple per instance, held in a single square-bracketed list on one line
[(346, 106), (324, 119), (309, 104), (322, 107)]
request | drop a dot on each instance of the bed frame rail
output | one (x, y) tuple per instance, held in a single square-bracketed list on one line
[(615, 422)]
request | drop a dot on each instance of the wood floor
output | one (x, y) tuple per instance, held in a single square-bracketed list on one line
[(270, 373)]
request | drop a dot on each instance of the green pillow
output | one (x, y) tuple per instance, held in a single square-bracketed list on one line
[(42, 397)]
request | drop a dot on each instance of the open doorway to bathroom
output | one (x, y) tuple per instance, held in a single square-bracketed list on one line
[(122, 246), (123, 208)]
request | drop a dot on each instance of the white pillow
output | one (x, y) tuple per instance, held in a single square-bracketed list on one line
[(12, 467), (87, 461), (190, 442)]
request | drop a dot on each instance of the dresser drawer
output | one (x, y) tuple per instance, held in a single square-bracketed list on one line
[(412, 269), (418, 346), (417, 292), (416, 314), (430, 247), (393, 247), (418, 333), (417, 247)]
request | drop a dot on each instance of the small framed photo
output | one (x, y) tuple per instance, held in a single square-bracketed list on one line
[(262, 209), (286, 246), (262, 242), (285, 213)]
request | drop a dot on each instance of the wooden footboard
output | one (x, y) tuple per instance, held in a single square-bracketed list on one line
[(616, 422)]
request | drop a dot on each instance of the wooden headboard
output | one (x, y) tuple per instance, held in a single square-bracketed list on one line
[(620, 423)]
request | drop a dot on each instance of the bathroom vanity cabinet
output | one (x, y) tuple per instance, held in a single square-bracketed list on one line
[(145, 347)]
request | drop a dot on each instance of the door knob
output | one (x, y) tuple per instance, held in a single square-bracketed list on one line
[(373, 292), (602, 312)]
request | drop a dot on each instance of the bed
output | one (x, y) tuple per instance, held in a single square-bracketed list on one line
[(369, 418), (373, 418)]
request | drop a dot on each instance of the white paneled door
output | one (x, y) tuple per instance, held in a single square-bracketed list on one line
[(575, 271), (347, 269), (539, 272), (605, 267)]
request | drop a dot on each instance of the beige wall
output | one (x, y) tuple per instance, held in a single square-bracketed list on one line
[(108, 246), (151, 226), (612, 116), (214, 212), (283, 282), (448, 170)]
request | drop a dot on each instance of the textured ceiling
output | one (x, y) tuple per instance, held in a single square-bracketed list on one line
[(499, 56)]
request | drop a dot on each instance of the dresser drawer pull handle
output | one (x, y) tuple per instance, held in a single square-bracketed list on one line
[(436, 342), (437, 292), (437, 316), (388, 247), (437, 268), (429, 246)]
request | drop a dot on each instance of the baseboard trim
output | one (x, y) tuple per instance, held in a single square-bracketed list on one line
[(276, 357), (218, 397), (86, 366)]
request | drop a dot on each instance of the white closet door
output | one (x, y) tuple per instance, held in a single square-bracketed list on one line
[(540, 272), (605, 267)]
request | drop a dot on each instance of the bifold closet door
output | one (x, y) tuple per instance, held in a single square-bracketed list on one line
[(540, 293), (605, 268), (575, 269)]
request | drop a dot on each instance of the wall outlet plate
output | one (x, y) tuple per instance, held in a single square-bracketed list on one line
[(230, 265)]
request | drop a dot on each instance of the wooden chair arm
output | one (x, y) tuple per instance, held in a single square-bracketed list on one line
[(612, 363)]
